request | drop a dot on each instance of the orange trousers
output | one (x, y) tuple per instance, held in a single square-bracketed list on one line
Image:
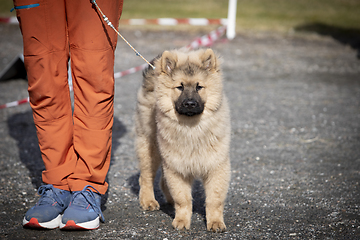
[(75, 145)]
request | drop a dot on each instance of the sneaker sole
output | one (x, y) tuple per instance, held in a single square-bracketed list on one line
[(71, 225), (34, 223)]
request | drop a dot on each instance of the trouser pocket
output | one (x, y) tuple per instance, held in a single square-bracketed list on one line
[(42, 24)]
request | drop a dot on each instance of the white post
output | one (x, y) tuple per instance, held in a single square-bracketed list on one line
[(231, 20)]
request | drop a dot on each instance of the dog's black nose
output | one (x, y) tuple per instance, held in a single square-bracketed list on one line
[(190, 103), (189, 107)]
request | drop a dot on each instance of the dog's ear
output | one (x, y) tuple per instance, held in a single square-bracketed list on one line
[(209, 60), (168, 62)]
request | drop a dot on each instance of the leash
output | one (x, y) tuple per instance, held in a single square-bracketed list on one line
[(112, 26)]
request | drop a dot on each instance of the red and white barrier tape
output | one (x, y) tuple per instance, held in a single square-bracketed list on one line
[(205, 40), (15, 103), (11, 20), (157, 21), (130, 71), (175, 21), (208, 39)]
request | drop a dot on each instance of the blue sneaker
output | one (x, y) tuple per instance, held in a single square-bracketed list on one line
[(84, 212), (48, 210)]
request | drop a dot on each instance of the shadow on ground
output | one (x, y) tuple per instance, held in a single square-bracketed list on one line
[(198, 195), (22, 129), (346, 36)]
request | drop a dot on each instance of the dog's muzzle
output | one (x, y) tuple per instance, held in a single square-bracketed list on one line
[(190, 107)]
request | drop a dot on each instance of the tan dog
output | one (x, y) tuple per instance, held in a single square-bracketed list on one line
[(183, 123)]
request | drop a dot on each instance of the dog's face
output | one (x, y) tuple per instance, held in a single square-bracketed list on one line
[(188, 80), (189, 102), (188, 93)]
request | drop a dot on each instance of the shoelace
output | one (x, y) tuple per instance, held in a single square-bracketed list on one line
[(89, 196), (46, 198)]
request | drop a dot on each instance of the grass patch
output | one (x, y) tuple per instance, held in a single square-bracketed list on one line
[(281, 15), (5, 7), (288, 14)]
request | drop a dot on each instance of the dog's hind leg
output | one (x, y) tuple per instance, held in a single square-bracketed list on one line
[(165, 190)]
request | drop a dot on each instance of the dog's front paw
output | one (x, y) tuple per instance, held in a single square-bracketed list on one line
[(216, 226), (150, 205), (180, 224)]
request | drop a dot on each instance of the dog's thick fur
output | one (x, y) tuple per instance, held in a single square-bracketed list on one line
[(183, 124)]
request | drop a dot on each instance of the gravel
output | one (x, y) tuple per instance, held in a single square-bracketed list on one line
[(295, 101)]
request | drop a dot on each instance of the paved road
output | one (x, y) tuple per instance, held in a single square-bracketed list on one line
[(295, 149)]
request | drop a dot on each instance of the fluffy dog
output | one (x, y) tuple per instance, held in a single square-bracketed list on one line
[(183, 124)]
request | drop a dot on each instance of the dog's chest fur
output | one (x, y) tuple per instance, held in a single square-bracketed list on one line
[(196, 149)]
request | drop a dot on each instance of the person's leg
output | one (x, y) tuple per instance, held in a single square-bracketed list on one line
[(46, 53), (92, 46), (46, 60)]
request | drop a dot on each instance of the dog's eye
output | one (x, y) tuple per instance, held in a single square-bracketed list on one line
[(198, 87), (181, 88)]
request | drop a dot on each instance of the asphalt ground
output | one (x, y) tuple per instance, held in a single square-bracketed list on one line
[(295, 149)]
